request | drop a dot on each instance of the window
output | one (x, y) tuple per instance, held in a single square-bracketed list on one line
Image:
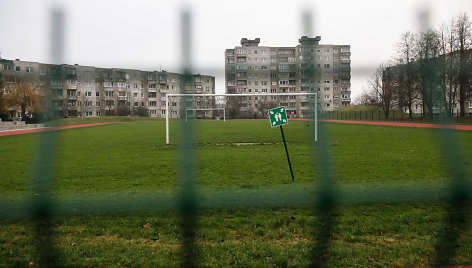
[(336, 81), (88, 103), (88, 113), (470, 104), (152, 103), (240, 51), (109, 93), (344, 57), (108, 84), (97, 104), (326, 81), (29, 69), (135, 94), (97, 94), (17, 68), (326, 97), (152, 94), (88, 93)]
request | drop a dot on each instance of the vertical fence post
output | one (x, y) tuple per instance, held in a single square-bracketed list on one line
[(188, 198)]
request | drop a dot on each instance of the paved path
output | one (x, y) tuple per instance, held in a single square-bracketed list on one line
[(397, 124)]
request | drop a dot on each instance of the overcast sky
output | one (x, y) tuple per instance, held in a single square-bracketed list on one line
[(146, 35)]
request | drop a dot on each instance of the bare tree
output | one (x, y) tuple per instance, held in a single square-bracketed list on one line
[(368, 97), (406, 74), (263, 106), (448, 67), (462, 29), (427, 52), (233, 106), (381, 83)]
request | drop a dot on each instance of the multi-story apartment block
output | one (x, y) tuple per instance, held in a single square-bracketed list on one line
[(76, 90), (307, 67)]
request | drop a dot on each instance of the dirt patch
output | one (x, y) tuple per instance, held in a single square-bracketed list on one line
[(246, 143)]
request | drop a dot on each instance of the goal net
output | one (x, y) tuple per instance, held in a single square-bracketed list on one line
[(238, 106)]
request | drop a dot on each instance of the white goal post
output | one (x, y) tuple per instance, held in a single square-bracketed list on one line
[(241, 95)]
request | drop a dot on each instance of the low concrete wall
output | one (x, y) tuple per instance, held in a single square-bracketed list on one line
[(17, 125)]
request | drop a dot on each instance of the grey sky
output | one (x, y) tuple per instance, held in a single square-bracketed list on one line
[(146, 34)]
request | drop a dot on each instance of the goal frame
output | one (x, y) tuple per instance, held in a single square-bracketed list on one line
[(240, 95)]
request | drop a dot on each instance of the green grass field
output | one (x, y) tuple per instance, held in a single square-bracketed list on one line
[(236, 159)]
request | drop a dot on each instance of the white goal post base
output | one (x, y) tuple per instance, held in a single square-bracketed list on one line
[(240, 95)]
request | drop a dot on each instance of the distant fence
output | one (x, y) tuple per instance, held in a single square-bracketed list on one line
[(378, 115)]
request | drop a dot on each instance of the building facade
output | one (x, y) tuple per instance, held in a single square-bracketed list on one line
[(305, 68), (76, 90)]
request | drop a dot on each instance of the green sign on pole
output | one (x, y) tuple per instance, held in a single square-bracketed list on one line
[(278, 117)]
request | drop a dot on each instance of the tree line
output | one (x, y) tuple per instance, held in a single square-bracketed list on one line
[(431, 70)]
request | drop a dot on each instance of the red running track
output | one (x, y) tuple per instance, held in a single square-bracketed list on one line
[(397, 124), (400, 124)]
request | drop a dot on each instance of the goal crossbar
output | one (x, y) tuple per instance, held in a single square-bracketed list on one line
[(239, 95)]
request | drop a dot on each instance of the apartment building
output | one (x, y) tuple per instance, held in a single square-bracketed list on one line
[(76, 90), (307, 67)]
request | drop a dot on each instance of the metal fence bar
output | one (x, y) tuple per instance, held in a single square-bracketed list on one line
[(188, 194), (44, 166), (326, 196)]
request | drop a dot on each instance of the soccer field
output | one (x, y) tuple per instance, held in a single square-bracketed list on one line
[(252, 213)]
